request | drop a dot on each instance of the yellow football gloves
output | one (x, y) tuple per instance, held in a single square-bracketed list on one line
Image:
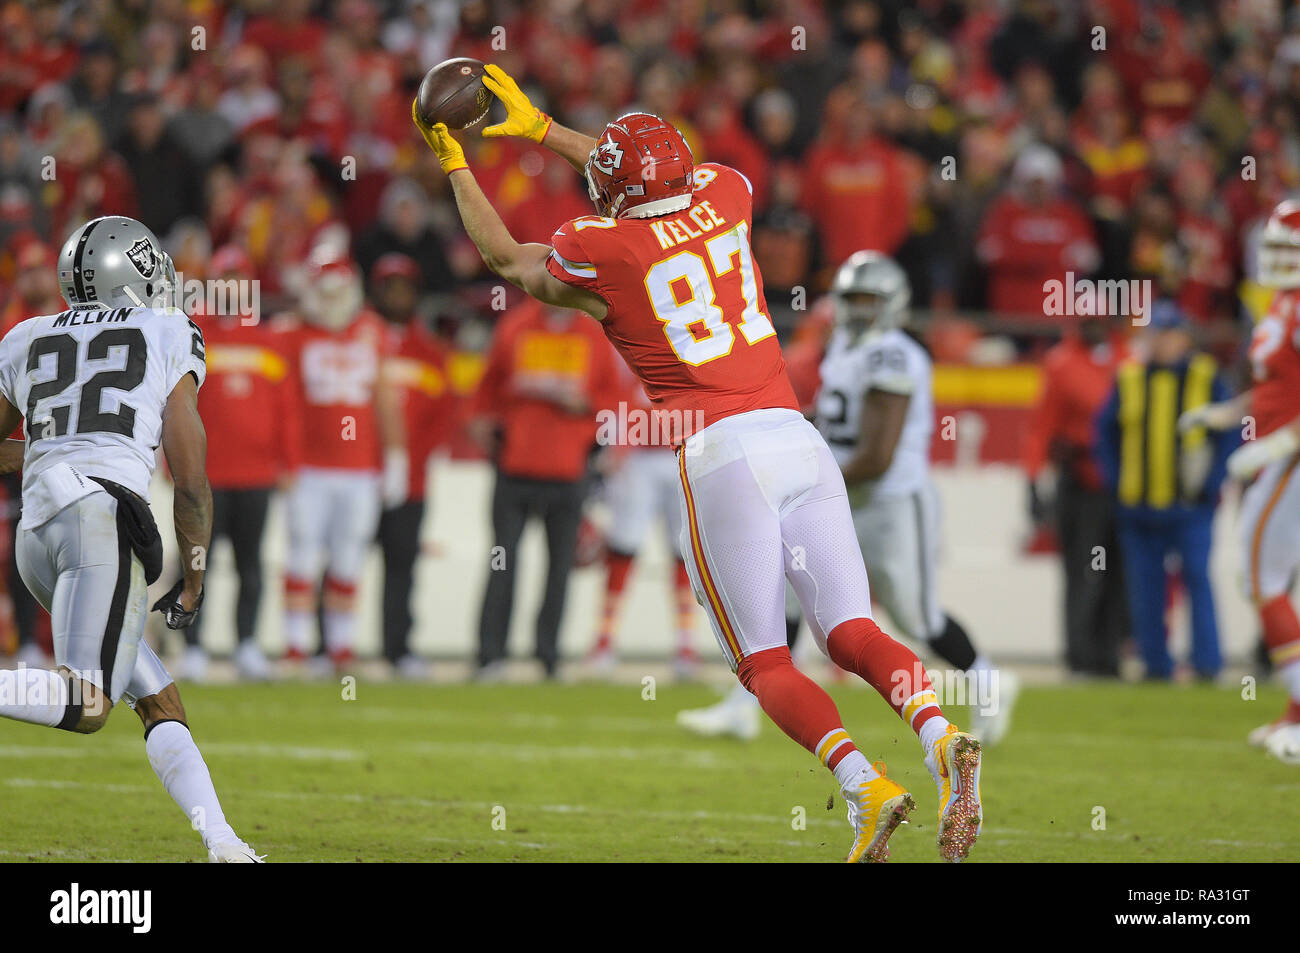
[(450, 155), (523, 119)]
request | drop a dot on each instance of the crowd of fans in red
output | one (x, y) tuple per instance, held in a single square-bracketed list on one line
[(988, 145)]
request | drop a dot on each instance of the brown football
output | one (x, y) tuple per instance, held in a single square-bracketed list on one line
[(453, 93)]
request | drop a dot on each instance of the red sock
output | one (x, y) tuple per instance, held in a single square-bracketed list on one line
[(684, 596), (617, 567), (1281, 630), (797, 704), (889, 667)]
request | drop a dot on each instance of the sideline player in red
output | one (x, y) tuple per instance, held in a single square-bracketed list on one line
[(666, 267), (1270, 508)]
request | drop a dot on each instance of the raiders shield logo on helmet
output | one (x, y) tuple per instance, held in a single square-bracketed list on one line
[(142, 255)]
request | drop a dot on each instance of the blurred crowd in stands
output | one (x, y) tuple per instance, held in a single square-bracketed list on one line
[(987, 144)]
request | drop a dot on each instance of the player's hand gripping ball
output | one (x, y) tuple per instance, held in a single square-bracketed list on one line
[(450, 155), (523, 119)]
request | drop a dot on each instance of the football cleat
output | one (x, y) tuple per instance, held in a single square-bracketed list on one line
[(1259, 737), (876, 808), (234, 852), (992, 727), (727, 717), (1284, 744), (602, 659), (194, 665), (251, 663), (685, 664), (954, 763)]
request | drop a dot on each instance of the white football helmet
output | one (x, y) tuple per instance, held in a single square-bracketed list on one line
[(1279, 247), (116, 262), (870, 294)]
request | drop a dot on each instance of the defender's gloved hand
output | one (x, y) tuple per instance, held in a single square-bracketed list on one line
[(523, 119), (176, 615), (450, 155), (1255, 455)]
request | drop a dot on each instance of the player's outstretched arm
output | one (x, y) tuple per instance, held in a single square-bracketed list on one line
[(521, 265), (526, 121), (185, 445)]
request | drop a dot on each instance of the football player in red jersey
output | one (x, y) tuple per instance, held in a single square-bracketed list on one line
[(351, 426), (666, 267), (1270, 508)]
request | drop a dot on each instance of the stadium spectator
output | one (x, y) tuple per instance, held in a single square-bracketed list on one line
[(853, 184), (1167, 485), (35, 291), (547, 373), (1078, 374), (249, 411), (1033, 234), (166, 183), (405, 227), (417, 368)]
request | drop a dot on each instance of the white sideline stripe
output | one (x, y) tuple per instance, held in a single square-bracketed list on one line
[(991, 833)]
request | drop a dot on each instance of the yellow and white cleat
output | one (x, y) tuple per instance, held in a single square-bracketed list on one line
[(876, 808), (955, 765)]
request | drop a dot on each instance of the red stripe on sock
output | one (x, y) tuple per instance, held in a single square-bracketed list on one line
[(839, 754)]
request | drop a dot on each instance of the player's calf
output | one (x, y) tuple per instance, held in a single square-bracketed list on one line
[(180, 767), (56, 699)]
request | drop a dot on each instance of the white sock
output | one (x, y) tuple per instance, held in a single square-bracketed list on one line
[(982, 664), (339, 626), (1289, 675), (297, 629), (34, 695), (181, 769), (932, 731), (852, 764)]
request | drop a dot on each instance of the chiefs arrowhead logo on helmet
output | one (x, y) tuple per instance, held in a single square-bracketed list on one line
[(607, 157), (656, 181)]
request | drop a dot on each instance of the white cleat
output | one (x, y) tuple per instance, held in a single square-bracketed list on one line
[(1259, 737), (32, 655), (251, 663), (234, 852), (194, 665), (412, 668), (602, 660), (1284, 744), (728, 717), (990, 718)]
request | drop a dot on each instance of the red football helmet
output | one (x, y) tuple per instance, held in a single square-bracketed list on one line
[(1279, 247), (641, 167)]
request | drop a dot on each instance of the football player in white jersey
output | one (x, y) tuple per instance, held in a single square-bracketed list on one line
[(101, 386), (876, 411)]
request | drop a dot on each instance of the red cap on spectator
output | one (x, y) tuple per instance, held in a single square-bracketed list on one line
[(230, 259), (395, 265)]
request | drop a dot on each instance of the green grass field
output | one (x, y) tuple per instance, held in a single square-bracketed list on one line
[(594, 773)]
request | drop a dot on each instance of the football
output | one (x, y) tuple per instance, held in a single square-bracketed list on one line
[(453, 93)]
